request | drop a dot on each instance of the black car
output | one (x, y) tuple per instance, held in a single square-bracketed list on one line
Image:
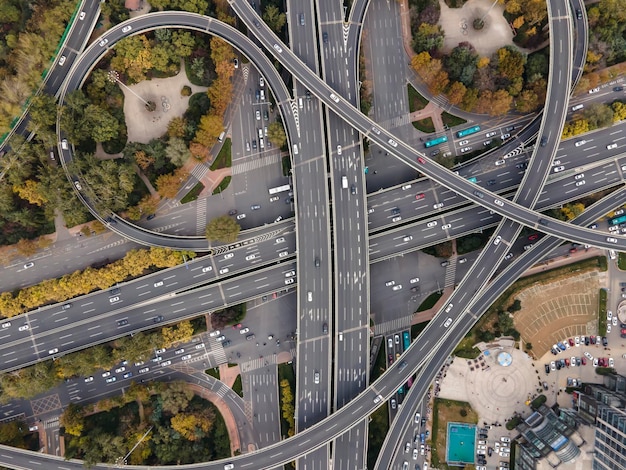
[(544, 141), (325, 328), (308, 95), (522, 165), (158, 319), (579, 14), (618, 88), (122, 322), (491, 182), (151, 216), (395, 211), (605, 342), (586, 340), (547, 368), (114, 291), (325, 37), (232, 212), (317, 262)]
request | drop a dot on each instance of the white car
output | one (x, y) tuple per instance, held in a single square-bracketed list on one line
[(498, 202), (415, 280), (438, 205), (497, 240), (200, 346), (614, 321), (500, 162), (446, 226), (250, 257), (580, 142), (396, 219), (62, 60), (241, 216), (160, 351), (23, 328), (556, 162), (29, 265), (126, 29), (224, 270), (215, 333), (229, 255), (6, 325), (338, 149), (280, 240), (608, 328), (111, 380), (594, 90), (290, 273), (243, 331), (407, 238), (81, 16), (559, 168), (415, 454), (490, 134), (611, 362), (278, 49), (289, 281), (274, 198), (186, 357), (448, 322), (166, 363), (609, 315), (464, 142), (611, 240), (505, 439), (579, 176), (207, 269), (577, 340), (390, 283), (466, 149), (179, 351), (449, 307), (158, 284), (104, 42), (431, 224), (580, 183), (611, 146), (144, 370), (392, 142), (282, 254), (53, 351), (398, 287), (114, 299), (119, 370), (88, 379)]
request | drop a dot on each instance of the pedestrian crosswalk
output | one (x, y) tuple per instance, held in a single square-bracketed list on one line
[(450, 272), (216, 352), (391, 326), (257, 163), (201, 216), (257, 363), (51, 423), (199, 171)]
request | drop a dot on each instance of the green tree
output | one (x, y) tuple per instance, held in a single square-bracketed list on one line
[(177, 151), (176, 397), (104, 126), (461, 63), (223, 229), (276, 134), (43, 112), (274, 18), (73, 419), (598, 115)]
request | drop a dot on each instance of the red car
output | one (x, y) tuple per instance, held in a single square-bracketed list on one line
[(571, 342), (421, 160), (567, 362), (532, 237), (572, 250), (583, 360), (419, 196)]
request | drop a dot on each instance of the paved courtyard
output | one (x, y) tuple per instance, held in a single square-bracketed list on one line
[(457, 24)]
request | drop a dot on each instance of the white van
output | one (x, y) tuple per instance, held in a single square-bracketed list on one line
[(295, 149), (221, 137), (262, 95), (300, 103), (577, 107), (344, 182), (261, 143)]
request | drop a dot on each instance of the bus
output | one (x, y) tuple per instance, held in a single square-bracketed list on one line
[(406, 339), (280, 189), (618, 220), (468, 131), (472, 179), (437, 141)]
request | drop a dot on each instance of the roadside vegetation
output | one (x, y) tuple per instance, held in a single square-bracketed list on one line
[(378, 427), (602, 321), (430, 301), (287, 383), (16, 434), (223, 229), (179, 427), (444, 412)]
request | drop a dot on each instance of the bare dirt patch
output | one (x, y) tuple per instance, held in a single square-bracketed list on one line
[(565, 307)]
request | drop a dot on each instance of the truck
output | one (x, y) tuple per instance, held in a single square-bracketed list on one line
[(344, 182)]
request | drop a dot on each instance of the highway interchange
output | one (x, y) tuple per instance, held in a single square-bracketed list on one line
[(464, 321)]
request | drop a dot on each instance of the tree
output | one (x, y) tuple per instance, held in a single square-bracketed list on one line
[(210, 128), (461, 63), (180, 333), (143, 160), (176, 127), (456, 92), (177, 151), (32, 191), (168, 185), (598, 115), (176, 397), (276, 134), (223, 229), (43, 112), (571, 211), (104, 126), (429, 37), (619, 111), (73, 419), (274, 18), (510, 62), (190, 426)]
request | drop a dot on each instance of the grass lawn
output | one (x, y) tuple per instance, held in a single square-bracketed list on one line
[(446, 411), (451, 120), (380, 365), (193, 194), (214, 372), (378, 427), (429, 302), (237, 387), (621, 261), (424, 125), (602, 312), (416, 101), (417, 329), (224, 158), (223, 185)]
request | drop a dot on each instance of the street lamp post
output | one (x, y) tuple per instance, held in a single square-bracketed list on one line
[(114, 77)]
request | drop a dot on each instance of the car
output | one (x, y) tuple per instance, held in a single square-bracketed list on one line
[(446, 226), (609, 315), (466, 149), (509, 256), (224, 270), (53, 351), (111, 380), (104, 42), (556, 162), (128, 375), (393, 404), (157, 319), (278, 49), (241, 216), (505, 136), (421, 160), (229, 466), (166, 363), (464, 142), (229, 255), (114, 299), (126, 29), (479, 194), (444, 264), (608, 328), (243, 331), (605, 341), (144, 370), (611, 362), (392, 142), (498, 202), (214, 333), (398, 287), (390, 283), (280, 240), (419, 197), (486, 142), (23, 328), (257, 115), (407, 238), (289, 281), (611, 146), (407, 447), (547, 368), (338, 149), (577, 340), (207, 269), (505, 439), (396, 339), (415, 454), (558, 169), (415, 280), (236, 63), (490, 134), (580, 183), (449, 307), (160, 351), (611, 240), (220, 338), (406, 186), (282, 254), (179, 351), (396, 219), (614, 321), (579, 14), (579, 176), (594, 90), (431, 224), (417, 419), (497, 240), (447, 323), (255, 207), (157, 359), (62, 60), (200, 346), (6, 325), (275, 198), (29, 265), (439, 205), (158, 284)]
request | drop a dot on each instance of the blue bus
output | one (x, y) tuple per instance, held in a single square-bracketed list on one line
[(437, 141), (618, 220), (468, 131), (406, 340)]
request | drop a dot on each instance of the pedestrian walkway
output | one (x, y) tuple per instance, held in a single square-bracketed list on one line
[(451, 272), (258, 363), (257, 163), (397, 324), (201, 204)]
